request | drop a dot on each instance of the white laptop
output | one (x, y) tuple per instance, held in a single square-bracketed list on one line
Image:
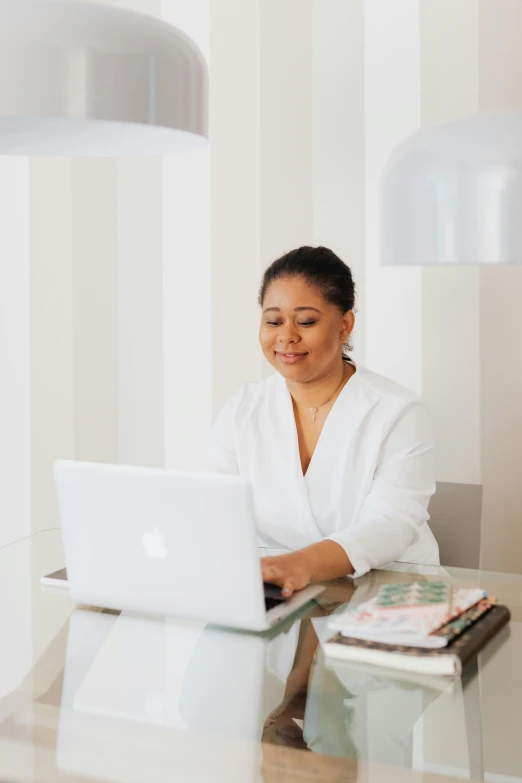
[(165, 542)]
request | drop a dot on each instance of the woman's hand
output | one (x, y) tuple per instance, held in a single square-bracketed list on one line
[(314, 563), (290, 571)]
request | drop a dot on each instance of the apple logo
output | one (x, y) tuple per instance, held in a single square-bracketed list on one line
[(154, 544)]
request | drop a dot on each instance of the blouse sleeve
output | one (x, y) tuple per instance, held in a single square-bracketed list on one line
[(220, 454), (396, 506)]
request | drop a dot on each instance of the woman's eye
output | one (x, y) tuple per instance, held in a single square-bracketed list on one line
[(302, 323)]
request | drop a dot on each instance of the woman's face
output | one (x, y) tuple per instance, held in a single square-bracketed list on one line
[(301, 333)]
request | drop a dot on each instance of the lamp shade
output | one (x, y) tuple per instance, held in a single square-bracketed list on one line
[(79, 78), (452, 194)]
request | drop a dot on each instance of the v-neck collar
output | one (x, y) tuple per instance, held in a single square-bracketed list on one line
[(337, 404)]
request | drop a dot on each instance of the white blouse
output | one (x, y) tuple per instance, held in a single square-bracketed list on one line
[(369, 480)]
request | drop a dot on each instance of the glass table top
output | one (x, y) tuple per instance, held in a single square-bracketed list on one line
[(96, 695)]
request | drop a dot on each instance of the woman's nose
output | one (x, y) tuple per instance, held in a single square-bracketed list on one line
[(287, 335)]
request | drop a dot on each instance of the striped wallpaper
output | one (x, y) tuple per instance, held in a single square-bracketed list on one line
[(128, 288)]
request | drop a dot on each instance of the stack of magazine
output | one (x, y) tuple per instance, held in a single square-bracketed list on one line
[(422, 627)]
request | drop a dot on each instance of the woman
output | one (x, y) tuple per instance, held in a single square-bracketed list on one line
[(340, 459)]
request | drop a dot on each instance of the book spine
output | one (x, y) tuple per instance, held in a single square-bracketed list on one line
[(456, 627), (471, 642)]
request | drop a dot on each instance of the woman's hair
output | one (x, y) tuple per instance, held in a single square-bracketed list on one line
[(320, 267)]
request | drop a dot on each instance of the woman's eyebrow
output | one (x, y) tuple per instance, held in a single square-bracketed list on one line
[(296, 309)]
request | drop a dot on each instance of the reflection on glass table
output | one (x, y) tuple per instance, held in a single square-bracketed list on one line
[(177, 676)]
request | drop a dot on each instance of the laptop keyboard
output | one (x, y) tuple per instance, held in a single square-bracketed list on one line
[(273, 596), (271, 602)]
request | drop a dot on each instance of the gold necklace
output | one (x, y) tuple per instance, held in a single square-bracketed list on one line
[(314, 408)]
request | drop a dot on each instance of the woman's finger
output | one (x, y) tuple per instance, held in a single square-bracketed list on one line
[(288, 587), (271, 574)]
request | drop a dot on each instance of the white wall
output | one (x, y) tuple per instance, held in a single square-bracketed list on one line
[(235, 117), (52, 418), (338, 140), (15, 359), (187, 277), (392, 105), (450, 297)]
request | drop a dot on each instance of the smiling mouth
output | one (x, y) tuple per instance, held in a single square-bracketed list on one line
[(291, 357)]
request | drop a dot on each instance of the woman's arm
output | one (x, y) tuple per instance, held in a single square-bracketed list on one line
[(390, 517)]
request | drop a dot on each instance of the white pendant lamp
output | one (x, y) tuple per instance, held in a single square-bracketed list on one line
[(452, 194), (80, 78)]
